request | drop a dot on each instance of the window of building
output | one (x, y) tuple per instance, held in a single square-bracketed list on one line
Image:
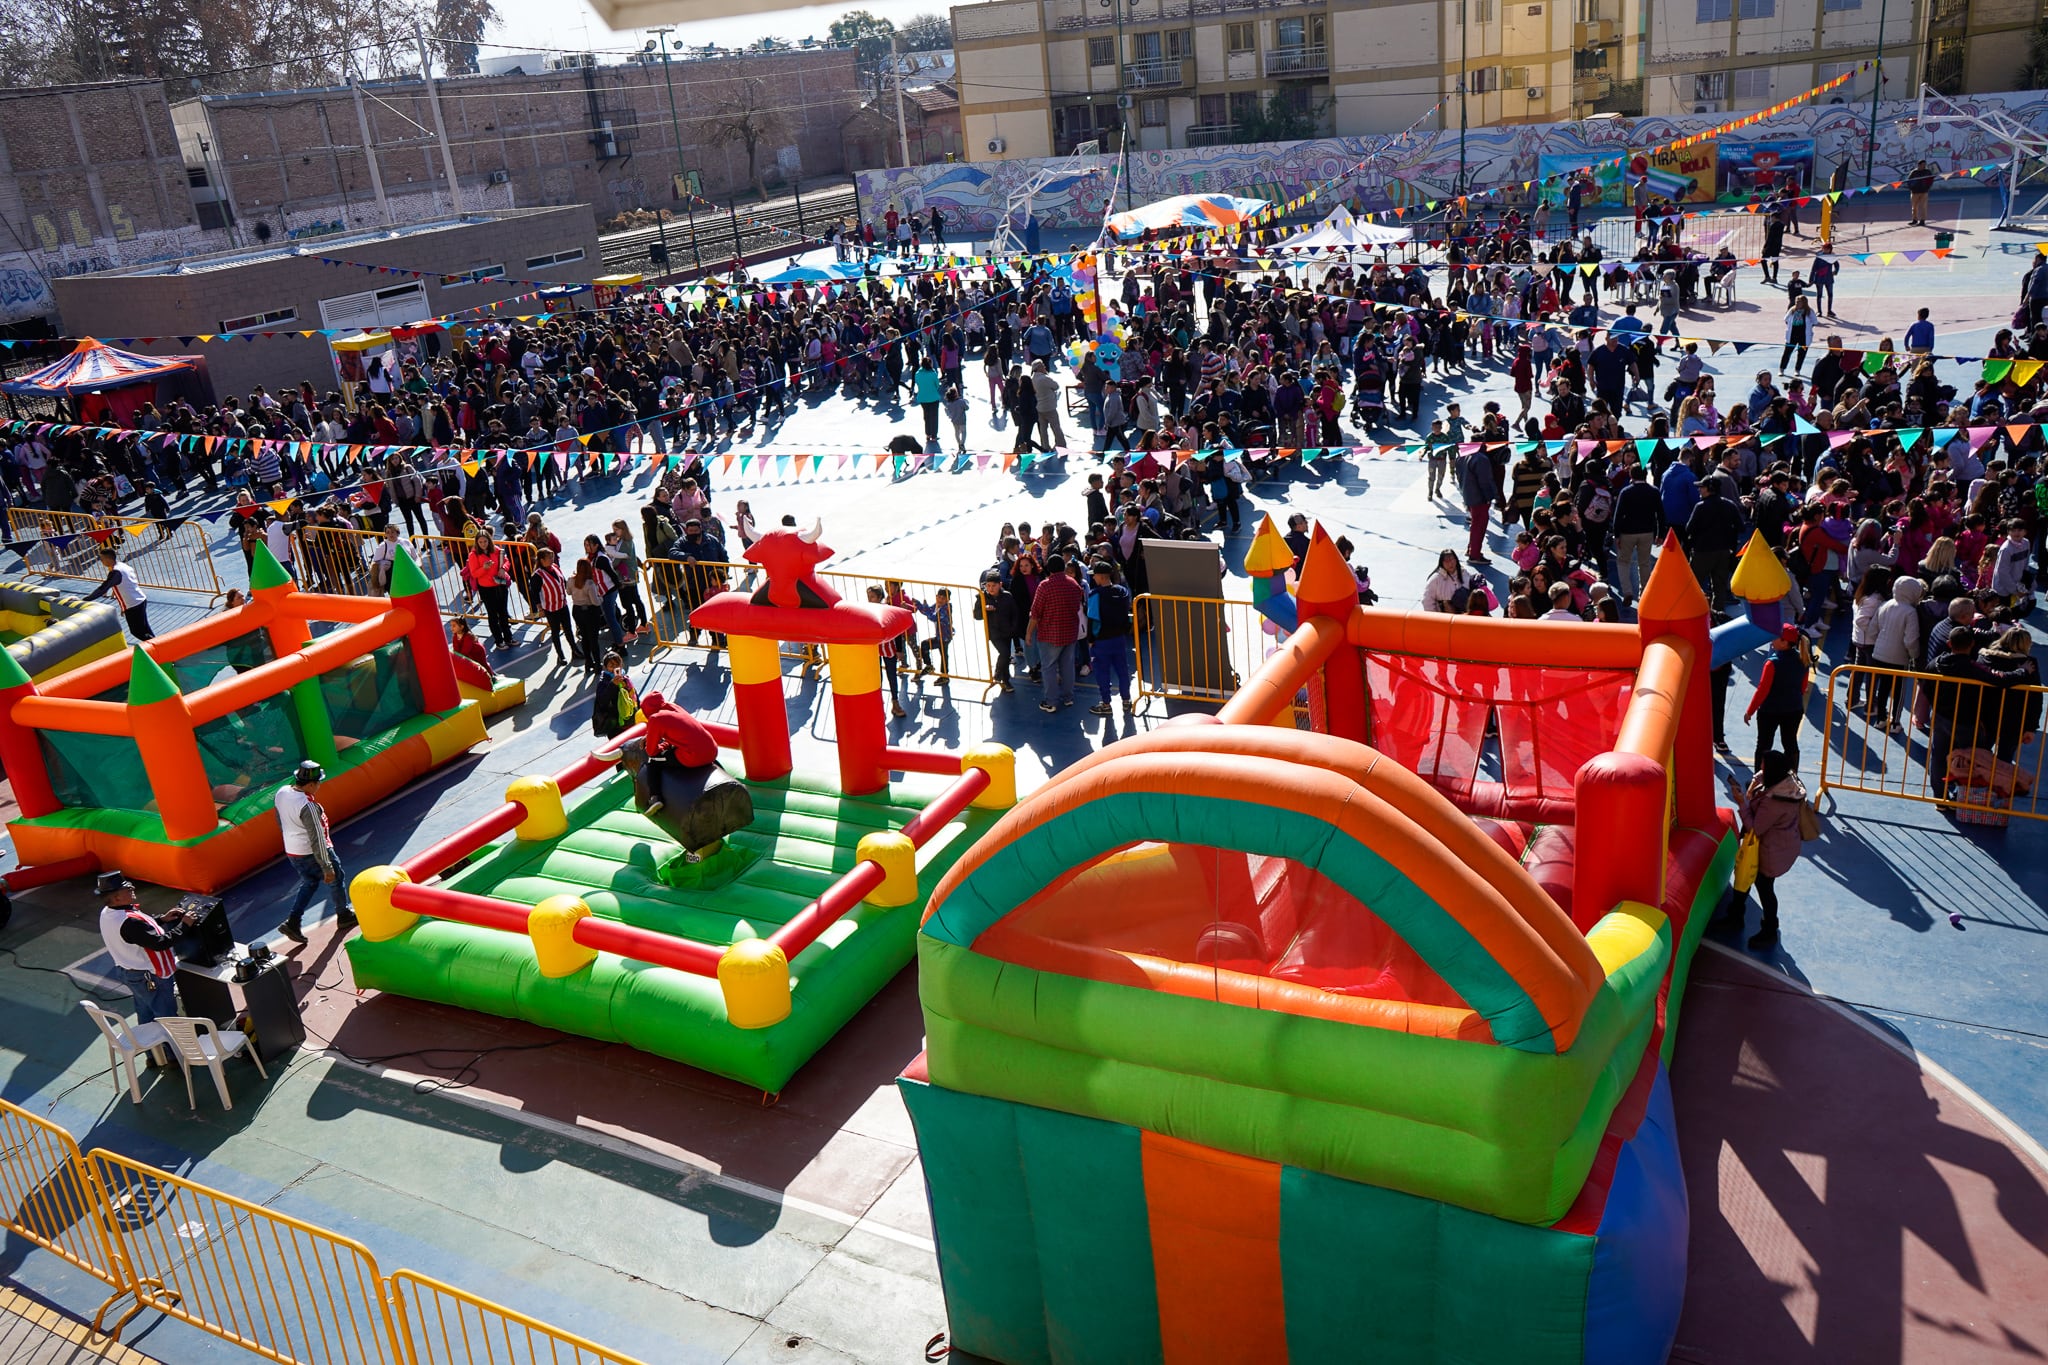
[(1515, 77), (1180, 42), (255, 320), (1240, 39), (1832, 6), (1244, 104), (1483, 79), (1710, 85), (1102, 52), (1214, 110), (1756, 9), (476, 276), (1753, 83), (1152, 113), (1715, 11), (1299, 33), (1296, 97), (559, 258), (1482, 11), (1827, 71)]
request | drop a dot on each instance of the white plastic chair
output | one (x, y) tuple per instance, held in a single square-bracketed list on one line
[(197, 1042), (1724, 290), (125, 1043)]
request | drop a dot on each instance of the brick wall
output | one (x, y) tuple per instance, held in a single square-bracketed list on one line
[(166, 306), (290, 152), (90, 178)]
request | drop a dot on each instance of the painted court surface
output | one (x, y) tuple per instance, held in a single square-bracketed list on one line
[(1847, 1203)]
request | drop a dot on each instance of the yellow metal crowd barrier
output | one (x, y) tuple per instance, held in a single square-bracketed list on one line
[(443, 1323), (1196, 648), (338, 559), (443, 559), (675, 588), (171, 555), (271, 1284), (1966, 745), (47, 1195), (280, 1288)]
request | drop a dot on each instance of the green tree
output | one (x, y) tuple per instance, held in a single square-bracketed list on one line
[(867, 35), (926, 33), (459, 26), (1281, 119), (2033, 72)]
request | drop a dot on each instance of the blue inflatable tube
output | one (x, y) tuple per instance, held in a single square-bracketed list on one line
[(1637, 1286)]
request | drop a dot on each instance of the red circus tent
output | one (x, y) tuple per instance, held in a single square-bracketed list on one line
[(117, 377)]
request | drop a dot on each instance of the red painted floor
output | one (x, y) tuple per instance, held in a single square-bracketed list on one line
[(1846, 1207)]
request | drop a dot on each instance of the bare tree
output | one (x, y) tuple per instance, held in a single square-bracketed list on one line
[(746, 114), (926, 33)]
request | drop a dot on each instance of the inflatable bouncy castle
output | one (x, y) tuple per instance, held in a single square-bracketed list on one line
[(1248, 1043), (165, 762), (50, 632), (733, 922)]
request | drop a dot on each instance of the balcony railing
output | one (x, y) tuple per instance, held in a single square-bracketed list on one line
[(1161, 73), (1283, 62), (1169, 10), (1211, 134)]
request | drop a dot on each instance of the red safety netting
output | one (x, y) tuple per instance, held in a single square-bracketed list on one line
[(1430, 715)]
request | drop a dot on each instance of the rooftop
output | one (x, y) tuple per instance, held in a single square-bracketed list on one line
[(340, 243)]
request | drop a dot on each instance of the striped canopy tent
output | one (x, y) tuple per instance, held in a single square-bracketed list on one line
[(1196, 211), (93, 367)]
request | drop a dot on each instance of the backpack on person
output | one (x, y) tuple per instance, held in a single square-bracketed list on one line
[(1599, 507)]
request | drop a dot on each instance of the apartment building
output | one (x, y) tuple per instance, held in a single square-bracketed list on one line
[(1727, 56), (1039, 77)]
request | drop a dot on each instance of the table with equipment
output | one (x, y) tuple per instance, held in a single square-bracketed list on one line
[(212, 967)]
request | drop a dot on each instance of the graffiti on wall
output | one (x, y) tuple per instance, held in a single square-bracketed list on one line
[(1427, 166)]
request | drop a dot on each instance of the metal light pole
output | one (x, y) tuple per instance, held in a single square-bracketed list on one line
[(1876, 90), (1464, 26), (1123, 118), (676, 126)]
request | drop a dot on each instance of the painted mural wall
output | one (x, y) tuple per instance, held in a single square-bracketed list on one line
[(1425, 166)]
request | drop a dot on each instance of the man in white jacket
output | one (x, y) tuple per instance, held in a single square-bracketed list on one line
[(309, 848)]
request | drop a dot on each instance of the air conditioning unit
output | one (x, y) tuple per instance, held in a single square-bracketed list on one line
[(1706, 108), (500, 177), (1534, 92), (996, 146)]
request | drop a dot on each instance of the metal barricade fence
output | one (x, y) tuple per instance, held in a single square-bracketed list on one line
[(336, 559), (276, 1286), (1961, 743), (171, 555), (968, 656), (444, 558), (271, 1284), (442, 1325), (47, 1195), (1196, 648)]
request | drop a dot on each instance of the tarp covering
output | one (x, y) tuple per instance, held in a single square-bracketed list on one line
[(1342, 230), (1186, 211), (93, 366)]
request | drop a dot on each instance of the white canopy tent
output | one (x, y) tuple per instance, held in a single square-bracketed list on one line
[(1343, 231)]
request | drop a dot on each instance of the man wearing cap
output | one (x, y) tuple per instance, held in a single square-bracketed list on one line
[(309, 848), (141, 948)]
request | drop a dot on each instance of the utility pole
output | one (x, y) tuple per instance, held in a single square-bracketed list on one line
[(1464, 27), (1876, 90), (1123, 119), (896, 67), (369, 148), (676, 126), (440, 128)]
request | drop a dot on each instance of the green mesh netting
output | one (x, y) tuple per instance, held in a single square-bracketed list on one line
[(207, 666), (250, 752), (374, 692), (95, 770)]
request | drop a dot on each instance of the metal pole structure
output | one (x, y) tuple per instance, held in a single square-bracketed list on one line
[(796, 186), (440, 128), (1464, 26), (370, 151), (902, 131), (1876, 90), (732, 207), (1123, 120), (676, 126)]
